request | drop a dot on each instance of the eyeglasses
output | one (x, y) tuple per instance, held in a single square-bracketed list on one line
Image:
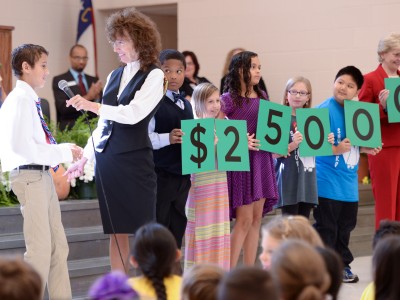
[(118, 43), (84, 58), (301, 93)]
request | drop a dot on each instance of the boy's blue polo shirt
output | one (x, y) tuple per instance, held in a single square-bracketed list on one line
[(337, 176)]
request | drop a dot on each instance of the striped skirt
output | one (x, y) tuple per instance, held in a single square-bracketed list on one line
[(207, 236)]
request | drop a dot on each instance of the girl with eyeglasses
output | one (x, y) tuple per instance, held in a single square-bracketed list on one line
[(295, 175)]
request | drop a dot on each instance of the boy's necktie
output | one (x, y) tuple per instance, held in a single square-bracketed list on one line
[(81, 85), (179, 96), (49, 136)]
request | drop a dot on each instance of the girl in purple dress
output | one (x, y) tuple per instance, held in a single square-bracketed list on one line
[(252, 194)]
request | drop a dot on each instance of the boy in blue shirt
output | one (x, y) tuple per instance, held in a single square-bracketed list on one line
[(337, 179), (166, 138)]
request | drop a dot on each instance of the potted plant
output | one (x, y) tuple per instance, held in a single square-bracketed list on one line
[(84, 186), (363, 169), (7, 197)]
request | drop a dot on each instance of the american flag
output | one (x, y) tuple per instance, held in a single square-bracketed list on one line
[(87, 34)]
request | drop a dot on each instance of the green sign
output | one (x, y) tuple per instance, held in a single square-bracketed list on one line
[(232, 146), (393, 100), (273, 127), (363, 127), (198, 146), (314, 125)]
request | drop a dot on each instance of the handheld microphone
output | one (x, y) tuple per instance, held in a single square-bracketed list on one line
[(63, 85)]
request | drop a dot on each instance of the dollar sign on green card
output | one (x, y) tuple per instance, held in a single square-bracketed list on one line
[(200, 146)]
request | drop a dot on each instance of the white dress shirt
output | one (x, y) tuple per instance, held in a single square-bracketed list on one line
[(160, 140), (23, 140), (143, 103)]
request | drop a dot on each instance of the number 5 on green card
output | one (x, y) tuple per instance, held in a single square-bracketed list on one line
[(197, 146), (232, 147), (273, 127)]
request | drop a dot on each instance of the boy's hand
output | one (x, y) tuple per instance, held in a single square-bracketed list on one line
[(76, 170), (175, 136), (343, 147), (331, 138), (371, 151)]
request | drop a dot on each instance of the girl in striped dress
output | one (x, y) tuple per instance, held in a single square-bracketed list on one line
[(207, 236)]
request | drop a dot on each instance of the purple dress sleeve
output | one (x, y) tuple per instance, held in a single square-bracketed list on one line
[(227, 104)]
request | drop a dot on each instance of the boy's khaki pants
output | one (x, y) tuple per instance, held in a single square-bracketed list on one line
[(45, 240)]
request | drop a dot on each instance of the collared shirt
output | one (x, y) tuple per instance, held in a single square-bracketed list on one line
[(160, 140), (23, 140), (75, 74), (145, 100)]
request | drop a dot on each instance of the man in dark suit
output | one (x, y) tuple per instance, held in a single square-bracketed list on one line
[(80, 83)]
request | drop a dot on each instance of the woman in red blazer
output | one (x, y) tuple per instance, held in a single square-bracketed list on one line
[(385, 167)]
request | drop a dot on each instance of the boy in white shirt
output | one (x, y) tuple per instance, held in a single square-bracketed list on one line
[(28, 150)]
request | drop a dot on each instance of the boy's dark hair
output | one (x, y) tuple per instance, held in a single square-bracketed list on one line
[(18, 280), (172, 54), (195, 61), (247, 283), (354, 72), (154, 249), (386, 228), (26, 52)]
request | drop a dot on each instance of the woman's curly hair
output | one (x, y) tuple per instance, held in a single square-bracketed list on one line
[(140, 29)]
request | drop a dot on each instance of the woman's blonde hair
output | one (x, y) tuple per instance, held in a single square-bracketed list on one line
[(300, 271), (388, 43), (200, 94), (291, 82), (292, 227), (229, 57)]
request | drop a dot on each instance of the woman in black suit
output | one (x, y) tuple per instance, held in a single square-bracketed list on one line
[(125, 176)]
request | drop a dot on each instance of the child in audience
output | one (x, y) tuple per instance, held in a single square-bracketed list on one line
[(18, 280), (207, 237), (113, 285), (155, 253), (166, 137), (201, 281), (300, 271), (295, 175), (386, 268), (334, 267), (284, 228), (252, 194), (247, 283), (386, 228), (337, 179)]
